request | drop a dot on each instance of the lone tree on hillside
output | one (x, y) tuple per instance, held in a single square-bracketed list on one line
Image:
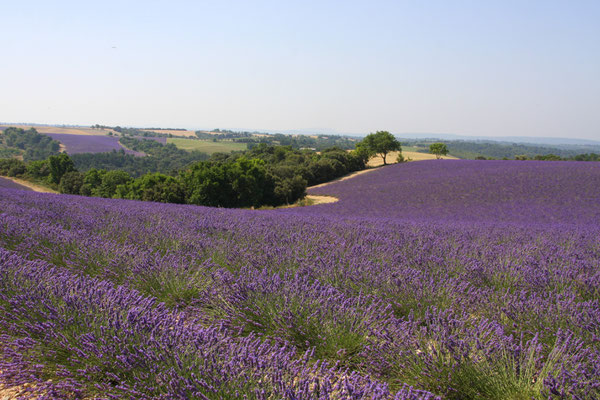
[(378, 143), (439, 149)]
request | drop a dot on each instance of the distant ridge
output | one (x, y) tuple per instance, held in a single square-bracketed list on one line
[(506, 139), (403, 135)]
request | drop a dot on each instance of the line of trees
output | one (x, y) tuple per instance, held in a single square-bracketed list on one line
[(31, 144), (298, 142), (501, 150), (554, 157), (265, 175)]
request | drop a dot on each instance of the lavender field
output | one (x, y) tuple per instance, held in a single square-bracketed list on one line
[(75, 144), (8, 184), (433, 279)]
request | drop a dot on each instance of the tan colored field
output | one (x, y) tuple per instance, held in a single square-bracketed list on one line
[(315, 199), (207, 146), (65, 130), (413, 155)]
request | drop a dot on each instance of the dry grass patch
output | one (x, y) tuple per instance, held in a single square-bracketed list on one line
[(314, 199), (65, 130), (413, 155)]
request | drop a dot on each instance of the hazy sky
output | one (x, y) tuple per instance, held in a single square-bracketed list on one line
[(529, 68)]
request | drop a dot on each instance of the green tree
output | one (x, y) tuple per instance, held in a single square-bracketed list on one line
[(153, 187), (71, 182), (110, 181), (439, 149), (59, 165), (378, 143), (38, 169), (240, 183)]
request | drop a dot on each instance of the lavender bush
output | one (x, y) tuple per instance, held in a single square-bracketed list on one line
[(457, 279)]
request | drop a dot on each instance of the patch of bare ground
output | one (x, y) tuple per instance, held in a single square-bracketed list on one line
[(25, 391), (314, 199), (377, 161)]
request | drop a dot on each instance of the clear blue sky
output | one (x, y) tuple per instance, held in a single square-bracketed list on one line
[(468, 67)]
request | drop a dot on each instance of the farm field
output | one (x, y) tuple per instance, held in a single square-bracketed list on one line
[(6, 183), (448, 279), (207, 146), (45, 129), (75, 144)]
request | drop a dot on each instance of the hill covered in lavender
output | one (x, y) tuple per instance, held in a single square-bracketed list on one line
[(433, 279), (75, 144)]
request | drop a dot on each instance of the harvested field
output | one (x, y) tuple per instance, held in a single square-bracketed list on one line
[(207, 146), (413, 155), (45, 129)]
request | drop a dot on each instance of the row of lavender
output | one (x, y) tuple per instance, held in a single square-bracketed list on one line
[(465, 309)]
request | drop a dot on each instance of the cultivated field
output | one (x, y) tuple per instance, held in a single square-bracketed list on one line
[(6, 183), (45, 129), (207, 146), (443, 279), (89, 143)]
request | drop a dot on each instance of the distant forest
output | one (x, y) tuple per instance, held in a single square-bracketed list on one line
[(27, 143), (265, 175), (314, 142), (498, 150)]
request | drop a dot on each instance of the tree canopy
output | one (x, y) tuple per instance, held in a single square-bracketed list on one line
[(378, 143), (439, 149)]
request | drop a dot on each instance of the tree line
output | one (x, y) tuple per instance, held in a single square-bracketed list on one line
[(298, 142), (28, 143), (498, 150), (265, 175)]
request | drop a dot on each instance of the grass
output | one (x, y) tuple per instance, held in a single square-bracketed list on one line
[(207, 146)]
